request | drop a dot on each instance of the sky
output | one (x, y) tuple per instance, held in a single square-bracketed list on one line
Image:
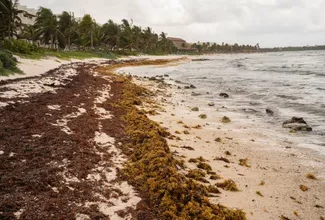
[(270, 23)]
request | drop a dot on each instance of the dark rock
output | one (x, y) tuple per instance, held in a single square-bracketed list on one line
[(195, 94), (297, 124), (269, 112), (166, 75), (224, 95), (152, 78), (211, 104), (190, 87), (204, 59)]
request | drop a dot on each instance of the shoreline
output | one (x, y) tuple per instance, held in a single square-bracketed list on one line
[(67, 108), (270, 186)]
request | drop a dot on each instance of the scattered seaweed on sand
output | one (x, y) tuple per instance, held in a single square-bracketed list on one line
[(244, 162), (222, 159), (152, 169), (193, 160), (284, 218), (218, 139), (186, 132), (197, 175), (215, 177), (197, 127), (262, 183), (203, 116), (259, 193), (225, 119), (303, 188), (296, 213), (228, 153), (311, 176), (195, 109), (180, 122), (228, 185), (204, 166)]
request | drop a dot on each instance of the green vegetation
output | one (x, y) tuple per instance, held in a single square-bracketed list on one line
[(8, 64), (152, 168)]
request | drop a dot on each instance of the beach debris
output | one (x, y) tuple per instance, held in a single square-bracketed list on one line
[(195, 94), (228, 185), (202, 59), (203, 116), (262, 183), (186, 132), (188, 148), (303, 188), (284, 218), (204, 166), (215, 177), (195, 109), (259, 193), (225, 119), (213, 189), (297, 124), (166, 75), (177, 132), (211, 104), (296, 213), (197, 127), (222, 159), (224, 95), (218, 139), (319, 206), (180, 122), (269, 112), (311, 176), (190, 87), (243, 162), (197, 175), (192, 160), (228, 153)]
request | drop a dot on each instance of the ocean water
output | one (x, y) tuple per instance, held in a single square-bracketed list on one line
[(288, 83)]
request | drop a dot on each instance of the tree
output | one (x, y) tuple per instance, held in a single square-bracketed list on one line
[(46, 25), (112, 34), (86, 29), (69, 27), (9, 16)]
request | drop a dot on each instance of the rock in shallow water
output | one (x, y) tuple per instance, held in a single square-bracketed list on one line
[(224, 95), (297, 124)]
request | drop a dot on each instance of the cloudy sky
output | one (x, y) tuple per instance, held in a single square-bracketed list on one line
[(267, 22)]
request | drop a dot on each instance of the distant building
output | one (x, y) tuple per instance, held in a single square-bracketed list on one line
[(25, 20), (181, 44)]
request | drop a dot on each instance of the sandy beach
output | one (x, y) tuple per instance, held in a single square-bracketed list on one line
[(269, 182), (76, 151)]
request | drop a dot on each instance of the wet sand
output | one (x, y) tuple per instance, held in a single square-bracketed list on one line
[(269, 186)]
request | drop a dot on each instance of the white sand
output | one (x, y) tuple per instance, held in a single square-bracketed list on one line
[(278, 163)]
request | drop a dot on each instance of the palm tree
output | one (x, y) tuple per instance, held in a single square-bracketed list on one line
[(46, 25), (87, 28), (10, 20), (112, 34), (69, 27), (29, 33)]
